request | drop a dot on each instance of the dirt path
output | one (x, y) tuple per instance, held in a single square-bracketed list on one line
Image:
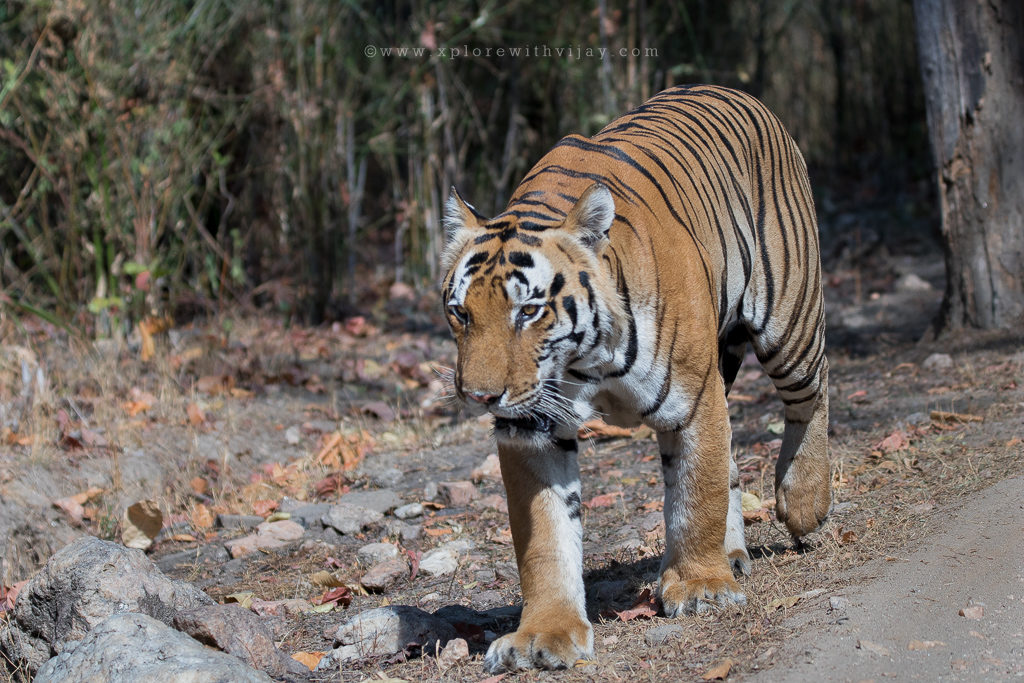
[(903, 618)]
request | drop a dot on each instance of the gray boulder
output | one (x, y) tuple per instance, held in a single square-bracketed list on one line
[(135, 648), (81, 586)]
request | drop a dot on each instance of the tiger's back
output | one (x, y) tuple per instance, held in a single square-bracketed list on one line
[(625, 278)]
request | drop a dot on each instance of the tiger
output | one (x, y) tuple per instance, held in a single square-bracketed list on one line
[(625, 279)]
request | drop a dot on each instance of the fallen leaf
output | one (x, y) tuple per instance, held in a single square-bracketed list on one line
[(754, 516), (777, 427), (341, 596), (598, 429), (1015, 441), (645, 607), (196, 416), (325, 579), (308, 659), (202, 517), (263, 508), (199, 486), (8, 594), (603, 500), (243, 598), (141, 523), (133, 408), (895, 442), (750, 502), (184, 538), (859, 394), (215, 384), (784, 603), (719, 671)]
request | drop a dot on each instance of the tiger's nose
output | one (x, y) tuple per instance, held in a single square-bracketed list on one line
[(483, 397)]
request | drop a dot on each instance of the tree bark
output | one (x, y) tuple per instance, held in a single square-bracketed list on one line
[(972, 63)]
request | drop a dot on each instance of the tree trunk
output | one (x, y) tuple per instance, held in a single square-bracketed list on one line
[(972, 63)]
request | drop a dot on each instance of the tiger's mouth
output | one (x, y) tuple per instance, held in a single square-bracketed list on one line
[(533, 422)]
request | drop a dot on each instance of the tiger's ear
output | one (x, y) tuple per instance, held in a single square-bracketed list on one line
[(459, 215), (592, 217), (460, 220)]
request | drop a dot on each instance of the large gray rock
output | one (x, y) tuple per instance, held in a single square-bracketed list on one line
[(135, 648), (386, 631), (239, 632), (381, 500), (83, 584)]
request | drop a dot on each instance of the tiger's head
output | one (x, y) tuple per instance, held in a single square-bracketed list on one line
[(527, 297)]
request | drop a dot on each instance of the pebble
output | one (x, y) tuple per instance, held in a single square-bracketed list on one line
[(269, 535), (384, 575), (409, 511), (405, 532), (350, 519), (309, 514), (280, 608), (489, 469), (838, 602), (457, 493), (938, 362), (911, 282), (494, 501), (379, 500), (293, 435), (454, 652), (386, 631), (374, 553), (439, 562)]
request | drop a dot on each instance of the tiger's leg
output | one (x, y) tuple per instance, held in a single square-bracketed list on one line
[(735, 539), (695, 572), (803, 488), (543, 490)]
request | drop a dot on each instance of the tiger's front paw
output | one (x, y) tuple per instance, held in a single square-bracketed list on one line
[(527, 649), (697, 596)]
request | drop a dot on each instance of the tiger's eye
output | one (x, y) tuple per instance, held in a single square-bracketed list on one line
[(459, 313)]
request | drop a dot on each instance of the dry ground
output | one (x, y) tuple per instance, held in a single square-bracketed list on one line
[(231, 415)]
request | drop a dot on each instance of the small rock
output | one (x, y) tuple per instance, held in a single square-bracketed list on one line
[(386, 631), (495, 501), (489, 469), (386, 477), (914, 645), (506, 571), (310, 514), (269, 535), (280, 608), (485, 575), (628, 545), (430, 490), (659, 635), (454, 652), (913, 283), (293, 435), (350, 519), (375, 553), (237, 631), (439, 562), (379, 500), (384, 575), (204, 554), (838, 603), (457, 494), (406, 532), (243, 522), (938, 362), (135, 647), (972, 611), (409, 511)]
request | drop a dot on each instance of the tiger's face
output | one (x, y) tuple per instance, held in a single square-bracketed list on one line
[(525, 300)]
